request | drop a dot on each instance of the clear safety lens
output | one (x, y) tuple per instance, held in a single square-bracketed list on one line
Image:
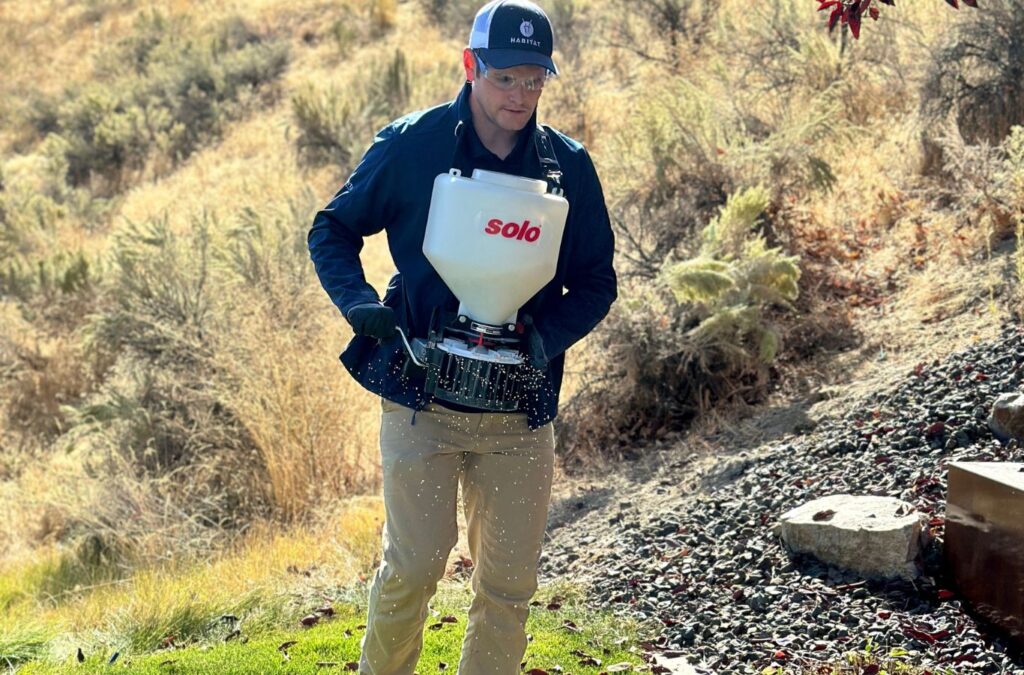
[(507, 81)]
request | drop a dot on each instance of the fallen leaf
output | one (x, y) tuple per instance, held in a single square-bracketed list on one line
[(285, 645), (570, 626), (326, 664), (824, 515), (80, 655), (310, 620), (352, 665), (449, 619), (618, 667), (436, 626)]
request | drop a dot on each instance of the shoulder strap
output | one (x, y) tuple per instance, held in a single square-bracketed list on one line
[(548, 162)]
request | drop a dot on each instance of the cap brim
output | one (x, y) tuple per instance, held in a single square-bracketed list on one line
[(510, 58)]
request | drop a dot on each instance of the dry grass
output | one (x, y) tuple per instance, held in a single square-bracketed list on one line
[(266, 577), (315, 429)]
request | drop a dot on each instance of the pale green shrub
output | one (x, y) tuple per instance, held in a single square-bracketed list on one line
[(702, 335)]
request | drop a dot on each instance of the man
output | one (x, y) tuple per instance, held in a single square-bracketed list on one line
[(504, 461)]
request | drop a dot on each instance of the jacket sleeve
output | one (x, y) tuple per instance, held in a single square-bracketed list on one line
[(590, 281), (361, 208)]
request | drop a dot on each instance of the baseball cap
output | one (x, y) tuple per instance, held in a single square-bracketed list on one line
[(508, 33)]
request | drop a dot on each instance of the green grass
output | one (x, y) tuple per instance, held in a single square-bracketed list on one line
[(335, 641)]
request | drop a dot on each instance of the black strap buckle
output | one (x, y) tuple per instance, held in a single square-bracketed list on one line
[(548, 162)]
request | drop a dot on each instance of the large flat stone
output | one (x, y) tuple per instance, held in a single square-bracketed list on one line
[(877, 537)]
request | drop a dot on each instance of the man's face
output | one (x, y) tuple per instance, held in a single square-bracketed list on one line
[(508, 110)]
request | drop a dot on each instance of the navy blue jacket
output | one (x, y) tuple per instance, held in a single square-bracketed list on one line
[(390, 189)]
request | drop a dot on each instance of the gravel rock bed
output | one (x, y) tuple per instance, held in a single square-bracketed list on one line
[(731, 600)]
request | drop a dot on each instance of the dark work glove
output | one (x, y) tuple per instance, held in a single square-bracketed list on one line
[(372, 320)]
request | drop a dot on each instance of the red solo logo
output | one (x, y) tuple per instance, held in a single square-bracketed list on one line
[(511, 230)]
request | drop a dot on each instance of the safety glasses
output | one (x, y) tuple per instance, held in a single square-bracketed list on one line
[(506, 81)]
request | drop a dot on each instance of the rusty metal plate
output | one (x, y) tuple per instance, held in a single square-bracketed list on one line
[(984, 546)]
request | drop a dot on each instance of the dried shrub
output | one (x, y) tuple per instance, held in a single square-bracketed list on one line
[(690, 149), (44, 382), (977, 76), (454, 17), (662, 31), (383, 15), (163, 91), (308, 424), (333, 124), (157, 408)]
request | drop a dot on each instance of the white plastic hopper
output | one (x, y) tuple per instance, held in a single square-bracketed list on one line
[(494, 240)]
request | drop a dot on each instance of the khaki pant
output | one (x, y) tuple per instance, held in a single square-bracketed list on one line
[(505, 470)]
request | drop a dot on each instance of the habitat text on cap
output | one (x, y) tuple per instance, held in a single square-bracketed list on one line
[(510, 33)]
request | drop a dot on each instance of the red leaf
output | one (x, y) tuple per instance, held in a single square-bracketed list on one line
[(825, 4), (874, 13), (954, 3), (833, 18), (871, 669), (945, 594), (855, 25), (971, 3), (823, 515)]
